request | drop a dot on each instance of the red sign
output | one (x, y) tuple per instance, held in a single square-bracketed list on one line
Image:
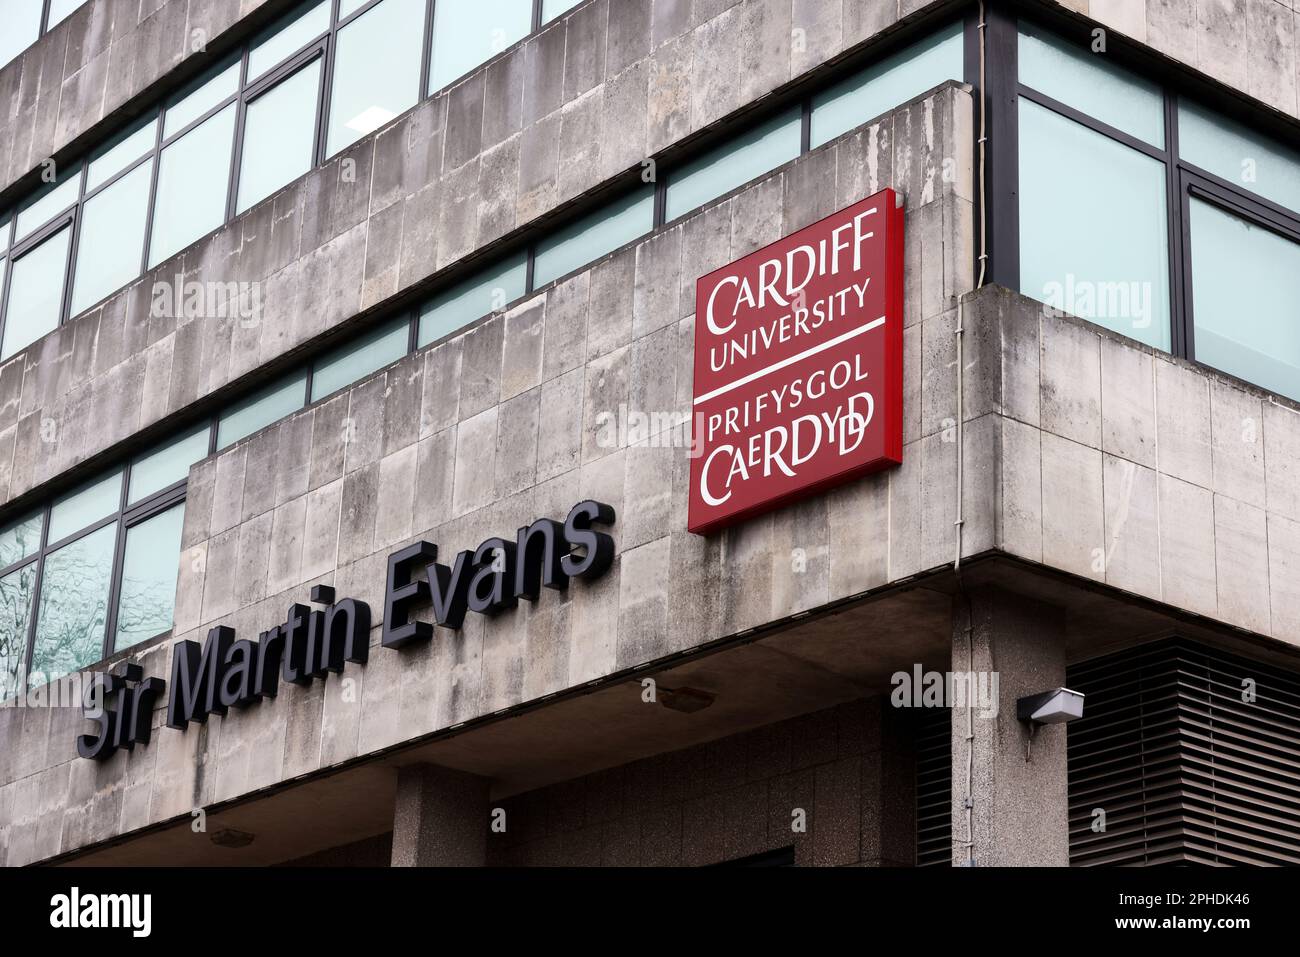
[(799, 365)]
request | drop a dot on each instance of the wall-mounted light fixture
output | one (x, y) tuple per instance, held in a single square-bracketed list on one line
[(1048, 707)]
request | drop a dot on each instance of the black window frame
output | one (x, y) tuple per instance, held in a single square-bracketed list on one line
[(1183, 179), (125, 516)]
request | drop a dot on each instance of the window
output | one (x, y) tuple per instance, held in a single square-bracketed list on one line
[(477, 296), (193, 176), (1235, 155), (23, 21), (1114, 220), (593, 236), (553, 8), (468, 32), (377, 70), (279, 136), (358, 359), (260, 410), (36, 283), (111, 244), (66, 597), (882, 86), (1099, 248), (1092, 85), (1245, 283), (733, 164)]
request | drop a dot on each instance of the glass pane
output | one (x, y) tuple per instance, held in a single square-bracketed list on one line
[(73, 608), (36, 293), (205, 96), (121, 152), (48, 202), (344, 366), (21, 539), (734, 163), (166, 466), (376, 70), (112, 238), (16, 590), (466, 301), (553, 8), (261, 410), (884, 85), (192, 185), (1245, 283), (85, 506), (279, 136), (1085, 80), (1243, 158), (148, 596), (592, 236), (22, 20), (1111, 265), (287, 37), (469, 32), (348, 7), (59, 10)]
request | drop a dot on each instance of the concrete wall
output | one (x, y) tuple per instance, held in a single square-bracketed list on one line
[(500, 426), (845, 774), (1127, 466), (1248, 45), (555, 116)]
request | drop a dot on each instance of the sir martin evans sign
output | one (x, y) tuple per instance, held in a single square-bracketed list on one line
[(799, 365), (231, 672)]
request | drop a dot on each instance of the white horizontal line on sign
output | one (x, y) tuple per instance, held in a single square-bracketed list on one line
[(791, 360)]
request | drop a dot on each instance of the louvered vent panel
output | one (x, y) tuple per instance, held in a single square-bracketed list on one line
[(1186, 771), (933, 788)]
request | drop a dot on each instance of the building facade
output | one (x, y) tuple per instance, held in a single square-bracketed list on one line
[(309, 306)]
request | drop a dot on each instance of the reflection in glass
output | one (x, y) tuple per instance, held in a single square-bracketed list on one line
[(148, 594), (884, 85), (469, 32), (358, 359), (16, 590), (21, 539), (376, 70), (1085, 80), (85, 506), (1242, 157), (192, 183), (36, 293), (477, 296), (279, 136), (166, 466), (736, 162), (593, 236), (1245, 284), (287, 37), (1093, 233), (72, 612), (260, 410), (112, 238)]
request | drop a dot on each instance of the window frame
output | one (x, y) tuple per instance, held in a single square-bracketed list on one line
[(125, 516), (1183, 179)]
